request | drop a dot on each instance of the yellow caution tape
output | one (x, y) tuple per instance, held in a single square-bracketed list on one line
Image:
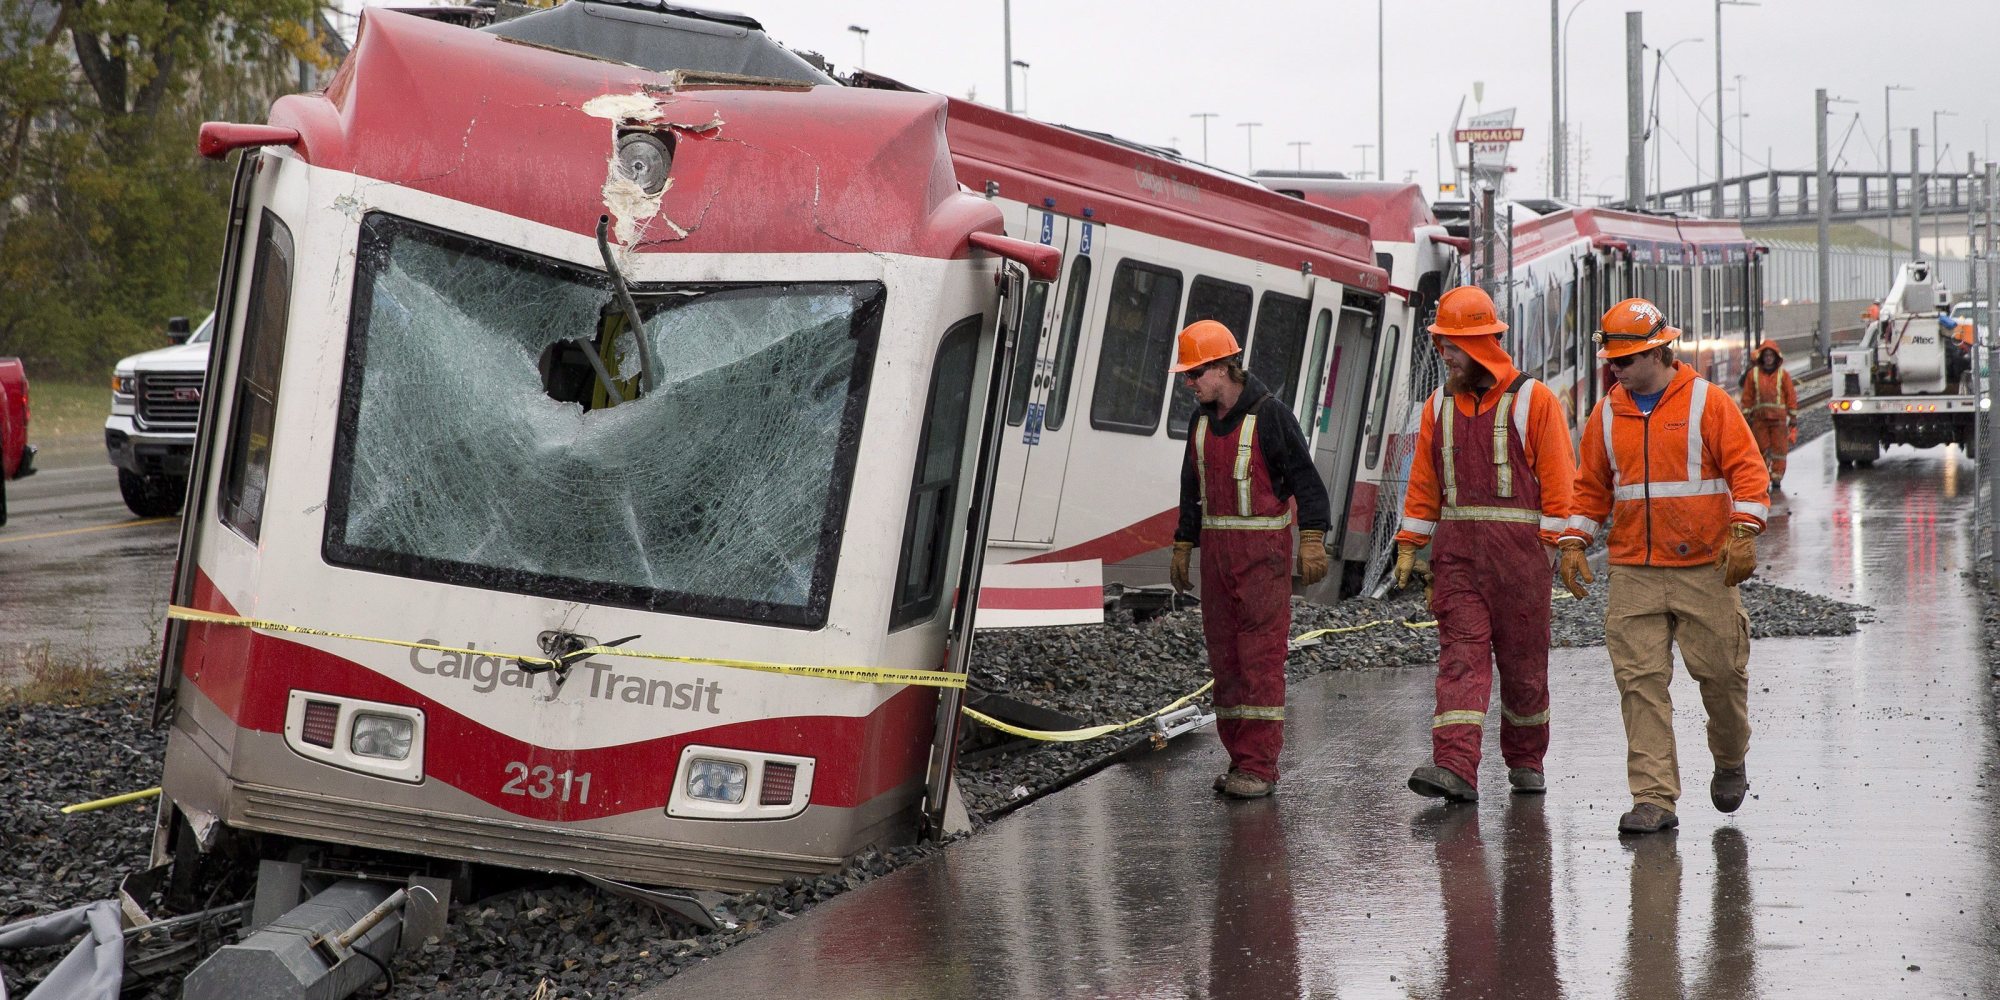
[(1090, 732), (1316, 633), (115, 800), (863, 675)]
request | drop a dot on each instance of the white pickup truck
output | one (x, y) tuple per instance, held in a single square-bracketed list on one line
[(155, 398), (1900, 385)]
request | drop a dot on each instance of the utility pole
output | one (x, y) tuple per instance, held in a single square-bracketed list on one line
[(1971, 228), (1204, 116), (1889, 179), (1381, 101), (1555, 101), (1916, 197), (1364, 147), (1007, 48), (1299, 147), (1249, 145), (1635, 111), (1716, 197), (1823, 328)]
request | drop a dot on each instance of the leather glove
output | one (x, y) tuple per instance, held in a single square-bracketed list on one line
[(1177, 574), (1406, 564), (1739, 555), (1574, 568), (1312, 556)]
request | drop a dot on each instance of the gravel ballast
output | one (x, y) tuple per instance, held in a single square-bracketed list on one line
[(585, 943)]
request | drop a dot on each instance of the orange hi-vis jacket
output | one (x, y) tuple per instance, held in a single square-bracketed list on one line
[(1770, 396), (1672, 482), (1537, 419)]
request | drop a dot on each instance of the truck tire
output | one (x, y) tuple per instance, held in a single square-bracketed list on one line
[(1856, 443), (148, 497)]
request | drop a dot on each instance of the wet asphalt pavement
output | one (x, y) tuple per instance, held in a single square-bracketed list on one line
[(1861, 867), (75, 564)]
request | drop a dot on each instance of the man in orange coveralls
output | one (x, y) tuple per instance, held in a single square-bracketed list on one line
[(1771, 405), (1489, 490), (1672, 466)]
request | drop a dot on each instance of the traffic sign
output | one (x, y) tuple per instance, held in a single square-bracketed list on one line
[(1487, 135)]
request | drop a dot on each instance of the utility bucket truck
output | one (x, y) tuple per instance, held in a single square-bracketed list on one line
[(1902, 384)]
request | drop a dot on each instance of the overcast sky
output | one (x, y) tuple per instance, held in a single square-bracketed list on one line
[(1306, 69)]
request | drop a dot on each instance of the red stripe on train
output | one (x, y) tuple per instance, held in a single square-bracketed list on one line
[(1041, 598), (250, 676), (1156, 532)]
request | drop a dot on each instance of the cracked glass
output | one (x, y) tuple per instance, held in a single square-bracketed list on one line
[(471, 452)]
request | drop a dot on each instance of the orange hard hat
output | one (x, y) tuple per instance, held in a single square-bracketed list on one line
[(1630, 327), (1204, 341), (1466, 311)]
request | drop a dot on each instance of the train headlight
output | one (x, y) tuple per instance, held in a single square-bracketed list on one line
[(385, 736), (717, 780)]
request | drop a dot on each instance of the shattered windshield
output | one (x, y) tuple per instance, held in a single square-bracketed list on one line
[(494, 432)]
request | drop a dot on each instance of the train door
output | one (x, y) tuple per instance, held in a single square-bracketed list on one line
[(1357, 326), (1034, 451)]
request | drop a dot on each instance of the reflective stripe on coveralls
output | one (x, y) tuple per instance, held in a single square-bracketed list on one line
[(1491, 586), (1246, 589)]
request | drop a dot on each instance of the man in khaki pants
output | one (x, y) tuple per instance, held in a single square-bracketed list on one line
[(1667, 458)]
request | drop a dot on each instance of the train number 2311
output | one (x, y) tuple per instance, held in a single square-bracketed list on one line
[(542, 782)]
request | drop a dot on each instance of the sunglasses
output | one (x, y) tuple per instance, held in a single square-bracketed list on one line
[(1193, 375), (1624, 362)]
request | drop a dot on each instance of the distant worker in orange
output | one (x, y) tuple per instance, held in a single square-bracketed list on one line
[(1771, 405), (1672, 466), (1246, 463), (1958, 362), (1490, 491)]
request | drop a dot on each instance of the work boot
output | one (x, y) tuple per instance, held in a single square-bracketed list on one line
[(1728, 787), (1433, 782), (1243, 785), (1223, 778), (1527, 781), (1647, 818)]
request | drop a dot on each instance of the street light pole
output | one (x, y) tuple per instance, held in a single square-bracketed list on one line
[(1299, 147), (1007, 48), (1715, 206), (1249, 145), (1563, 119), (1381, 101), (1204, 116), (1364, 147), (1937, 155), (1555, 100), (861, 33), (1889, 179), (1653, 120), (1023, 66)]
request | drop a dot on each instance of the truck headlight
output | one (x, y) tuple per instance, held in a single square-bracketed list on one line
[(384, 736), (124, 385), (717, 780)]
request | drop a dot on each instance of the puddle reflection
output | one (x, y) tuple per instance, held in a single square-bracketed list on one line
[(1652, 938), (1494, 944), (1254, 939)]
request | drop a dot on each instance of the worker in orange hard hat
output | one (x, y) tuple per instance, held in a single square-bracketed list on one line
[(1673, 468), (1771, 405), (1958, 353), (1489, 491), (1247, 467)]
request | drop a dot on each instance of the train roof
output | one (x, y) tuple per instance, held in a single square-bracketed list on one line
[(1611, 227), (1394, 211), (500, 123), (1127, 185)]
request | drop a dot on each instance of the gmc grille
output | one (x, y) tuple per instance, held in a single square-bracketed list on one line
[(169, 400)]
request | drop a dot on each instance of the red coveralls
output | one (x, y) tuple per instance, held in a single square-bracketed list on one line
[(1771, 404), (1246, 589), (1490, 560)]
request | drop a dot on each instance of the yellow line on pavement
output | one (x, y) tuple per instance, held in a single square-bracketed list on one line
[(95, 527)]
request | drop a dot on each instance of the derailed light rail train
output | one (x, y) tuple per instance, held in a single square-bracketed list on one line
[(754, 429)]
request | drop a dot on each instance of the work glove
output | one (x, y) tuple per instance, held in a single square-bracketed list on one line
[(1312, 556), (1177, 574), (1739, 555), (1574, 568), (1406, 564), (1792, 429)]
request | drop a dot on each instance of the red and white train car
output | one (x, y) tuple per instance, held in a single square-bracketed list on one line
[(437, 456), (1096, 426)]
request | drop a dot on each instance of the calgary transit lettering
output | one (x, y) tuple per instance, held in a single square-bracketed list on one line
[(485, 673)]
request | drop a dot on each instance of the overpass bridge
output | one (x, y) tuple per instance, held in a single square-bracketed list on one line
[(1880, 201)]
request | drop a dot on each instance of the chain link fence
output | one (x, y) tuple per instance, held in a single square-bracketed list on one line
[(1426, 374)]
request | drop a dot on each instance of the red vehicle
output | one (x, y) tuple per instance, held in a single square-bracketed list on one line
[(17, 456)]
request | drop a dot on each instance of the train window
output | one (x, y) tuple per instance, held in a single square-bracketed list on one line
[(1225, 302), (1378, 414), (1280, 344), (1138, 346), (722, 492), (1073, 313), (934, 491), (1572, 315), (246, 466), (1316, 370), (1027, 350)]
